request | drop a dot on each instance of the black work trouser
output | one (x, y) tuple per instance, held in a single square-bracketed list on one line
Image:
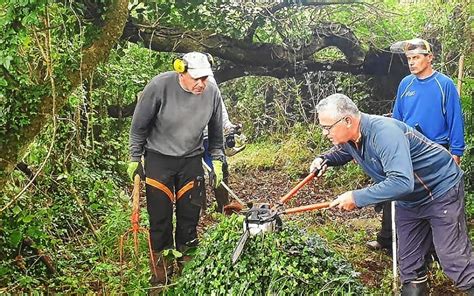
[(173, 183), (384, 237)]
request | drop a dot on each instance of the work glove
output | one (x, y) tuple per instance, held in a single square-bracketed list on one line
[(238, 128), (233, 129), (218, 174), (135, 167), (319, 165), (231, 134)]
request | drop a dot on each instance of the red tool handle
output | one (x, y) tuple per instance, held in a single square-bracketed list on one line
[(297, 187), (135, 218), (301, 184), (317, 206)]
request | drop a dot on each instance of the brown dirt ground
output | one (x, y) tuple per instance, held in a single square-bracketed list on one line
[(268, 186)]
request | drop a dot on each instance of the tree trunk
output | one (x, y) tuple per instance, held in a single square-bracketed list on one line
[(15, 145)]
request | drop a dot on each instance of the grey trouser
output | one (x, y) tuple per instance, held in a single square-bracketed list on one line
[(442, 221)]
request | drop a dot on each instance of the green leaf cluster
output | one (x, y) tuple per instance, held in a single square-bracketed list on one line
[(288, 262)]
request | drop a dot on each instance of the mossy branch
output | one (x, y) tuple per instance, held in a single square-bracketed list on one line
[(15, 144)]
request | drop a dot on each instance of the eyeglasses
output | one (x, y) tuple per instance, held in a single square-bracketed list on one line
[(328, 128)]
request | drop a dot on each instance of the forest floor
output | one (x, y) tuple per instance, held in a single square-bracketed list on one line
[(356, 227)]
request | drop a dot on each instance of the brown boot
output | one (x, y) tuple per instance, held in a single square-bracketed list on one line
[(161, 273), (182, 262), (222, 198)]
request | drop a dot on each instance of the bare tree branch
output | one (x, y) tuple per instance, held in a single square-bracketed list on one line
[(258, 21), (242, 51)]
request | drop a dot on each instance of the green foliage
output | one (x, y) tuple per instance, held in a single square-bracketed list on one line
[(467, 163), (130, 67), (40, 48), (16, 42), (289, 262), (84, 178), (73, 211), (349, 239), (293, 153), (261, 154)]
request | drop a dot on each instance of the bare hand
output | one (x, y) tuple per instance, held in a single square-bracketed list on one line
[(457, 159), (344, 201)]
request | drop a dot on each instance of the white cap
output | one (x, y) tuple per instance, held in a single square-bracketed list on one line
[(198, 64)]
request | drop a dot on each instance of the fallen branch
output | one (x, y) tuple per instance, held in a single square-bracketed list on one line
[(46, 259)]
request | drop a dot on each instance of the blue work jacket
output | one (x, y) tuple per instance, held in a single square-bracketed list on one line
[(404, 165)]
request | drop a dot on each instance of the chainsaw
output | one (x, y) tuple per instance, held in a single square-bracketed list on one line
[(262, 218)]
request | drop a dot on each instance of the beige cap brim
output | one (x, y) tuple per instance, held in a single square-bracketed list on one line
[(198, 73)]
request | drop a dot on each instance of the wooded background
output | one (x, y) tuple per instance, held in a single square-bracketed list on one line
[(71, 71)]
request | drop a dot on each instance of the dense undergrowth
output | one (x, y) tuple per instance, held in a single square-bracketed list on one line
[(288, 262), (78, 208), (79, 213)]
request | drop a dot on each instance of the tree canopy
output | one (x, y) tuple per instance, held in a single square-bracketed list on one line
[(49, 49)]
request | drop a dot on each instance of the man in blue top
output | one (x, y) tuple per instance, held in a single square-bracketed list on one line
[(419, 174), (428, 101)]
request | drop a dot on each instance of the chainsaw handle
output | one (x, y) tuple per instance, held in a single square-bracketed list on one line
[(317, 206)]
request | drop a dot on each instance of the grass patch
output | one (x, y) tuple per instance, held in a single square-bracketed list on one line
[(293, 153)]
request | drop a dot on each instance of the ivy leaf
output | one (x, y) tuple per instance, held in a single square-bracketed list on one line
[(16, 210), (27, 219), (177, 254), (15, 238)]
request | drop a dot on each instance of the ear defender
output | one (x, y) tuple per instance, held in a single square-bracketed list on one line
[(180, 65)]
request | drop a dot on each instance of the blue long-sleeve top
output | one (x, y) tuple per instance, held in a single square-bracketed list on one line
[(404, 165), (433, 105)]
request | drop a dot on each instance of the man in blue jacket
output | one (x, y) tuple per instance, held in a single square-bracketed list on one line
[(428, 101), (419, 174)]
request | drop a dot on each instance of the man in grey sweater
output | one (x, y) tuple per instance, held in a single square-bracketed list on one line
[(167, 130), (419, 174)]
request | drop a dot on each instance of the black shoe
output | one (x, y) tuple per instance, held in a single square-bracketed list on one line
[(470, 292), (415, 288), (376, 246)]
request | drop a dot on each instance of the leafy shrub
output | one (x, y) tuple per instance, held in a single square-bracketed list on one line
[(289, 262)]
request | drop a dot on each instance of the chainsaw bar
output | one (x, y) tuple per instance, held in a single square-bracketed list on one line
[(240, 246)]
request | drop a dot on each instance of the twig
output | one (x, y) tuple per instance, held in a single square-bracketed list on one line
[(86, 217), (47, 261), (460, 73)]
